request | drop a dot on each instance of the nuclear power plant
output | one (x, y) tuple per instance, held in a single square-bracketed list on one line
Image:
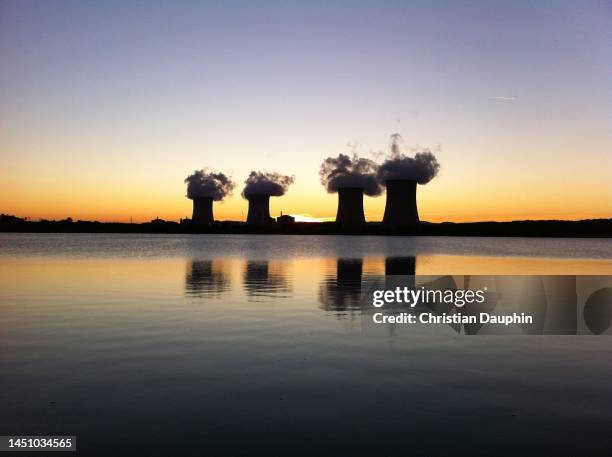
[(351, 177), (400, 175), (401, 207), (259, 187), (203, 188)]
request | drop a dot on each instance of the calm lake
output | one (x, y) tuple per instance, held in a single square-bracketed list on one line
[(166, 344)]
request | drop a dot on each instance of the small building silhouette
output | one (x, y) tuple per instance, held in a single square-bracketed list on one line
[(285, 219)]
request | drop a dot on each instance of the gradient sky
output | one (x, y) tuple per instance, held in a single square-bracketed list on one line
[(105, 107)]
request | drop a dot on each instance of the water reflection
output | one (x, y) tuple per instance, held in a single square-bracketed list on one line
[(557, 304), (127, 329), (206, 278), (261, 280), (341, 292), (400, 266)]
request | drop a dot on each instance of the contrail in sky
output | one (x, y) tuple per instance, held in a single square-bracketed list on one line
[(503, 98)]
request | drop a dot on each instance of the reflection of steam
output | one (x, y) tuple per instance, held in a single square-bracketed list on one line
[(205, 278), (262, 280), (342, 292)]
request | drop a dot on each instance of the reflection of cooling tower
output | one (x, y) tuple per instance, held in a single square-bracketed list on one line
[(350, 207), (205, 278), (400, 271), (343, 291), (256, 272), (349, 273), (261, 279), (401, 207), (202, 210), (405, 266), (259, 209)]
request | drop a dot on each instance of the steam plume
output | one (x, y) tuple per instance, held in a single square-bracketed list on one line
[(344, 171), (211, 185), (422, 168), (266, 183)]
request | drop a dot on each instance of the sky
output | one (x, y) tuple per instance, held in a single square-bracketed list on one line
[(106, 107)]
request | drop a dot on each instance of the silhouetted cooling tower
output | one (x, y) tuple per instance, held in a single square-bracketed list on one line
[(401, 208), (202, 210), (350, 207), (259, 209)]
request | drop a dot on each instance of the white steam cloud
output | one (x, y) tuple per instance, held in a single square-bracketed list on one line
[(345, 171), (266, 183), (212, 185), (422, 168)]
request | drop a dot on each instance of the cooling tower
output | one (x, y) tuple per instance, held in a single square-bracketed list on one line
[(259, 209), (350, 207), (202, 211), (401, 208)]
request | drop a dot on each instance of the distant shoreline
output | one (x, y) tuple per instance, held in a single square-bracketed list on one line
[(590, 228)]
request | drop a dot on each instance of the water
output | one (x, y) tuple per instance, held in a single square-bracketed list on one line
[(176, 345)]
